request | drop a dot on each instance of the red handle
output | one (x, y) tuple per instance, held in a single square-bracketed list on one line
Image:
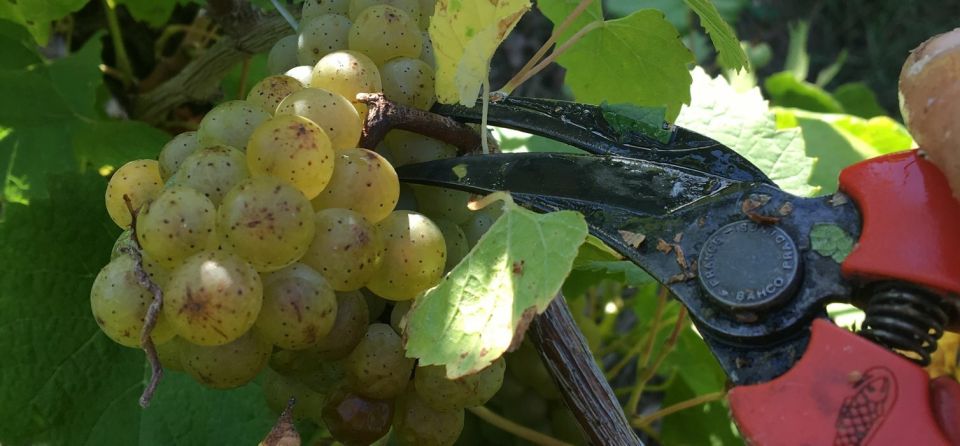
[(911, 222), (844, 391)]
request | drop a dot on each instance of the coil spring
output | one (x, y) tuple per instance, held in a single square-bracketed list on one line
[(905, 319)]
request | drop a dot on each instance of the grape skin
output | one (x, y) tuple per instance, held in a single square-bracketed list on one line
[(441, 393), (384, 32), (213, 298), (362, 181), (178, 224), (294, 149), (377, 367), (346, 248), (408, 81), (414, 256), (212, 171), (416, 423), (267, 222), (269, 92), (347, 73), (119, 304), (321, 35), (175, 151), (299, 307), (230, 124), (283, 55), (140, 181), (226, 366), (328, 110)]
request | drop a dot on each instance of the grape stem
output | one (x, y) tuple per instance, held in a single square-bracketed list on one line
[(517, 430), (384, 115), (153, 311)]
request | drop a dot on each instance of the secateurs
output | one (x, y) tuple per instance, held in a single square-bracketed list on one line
[(747, 260)]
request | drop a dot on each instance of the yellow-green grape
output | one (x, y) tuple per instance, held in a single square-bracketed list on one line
[(119, 304), (353, 317), (299, 307), (227, 366), (457, 244), (176, 225), (321, 35), (271, 90), (283, 55), (479, 223), (383, 32), (347, 73), (414, 256), (278, 389), (467, 391), (213, 298), (267, 222), (140, 181), (439, 202), (175, 151), (346, 248), (397, 314), (212, 171), (426, 53), (408, 81), (330, 111), (313, 8), (410, 148), (426, 11), (417, 424), (170, 354), (293, 149), (411, 7), (362, 181), (302, 73), (377, 367), (230, 124)]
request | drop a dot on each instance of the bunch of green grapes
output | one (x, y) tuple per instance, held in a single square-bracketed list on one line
[(283, 248)]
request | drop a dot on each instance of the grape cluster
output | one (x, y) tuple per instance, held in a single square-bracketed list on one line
[(279, 244)]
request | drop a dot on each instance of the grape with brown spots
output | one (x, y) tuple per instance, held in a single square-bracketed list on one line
[(299, 307)]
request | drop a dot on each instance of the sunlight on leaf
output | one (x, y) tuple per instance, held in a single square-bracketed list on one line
[(465, 35), (473, 316)]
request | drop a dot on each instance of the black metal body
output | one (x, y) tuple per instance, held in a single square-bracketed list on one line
[(681, 193)]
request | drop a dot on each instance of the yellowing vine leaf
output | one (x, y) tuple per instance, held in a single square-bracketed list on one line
[(465, 33)]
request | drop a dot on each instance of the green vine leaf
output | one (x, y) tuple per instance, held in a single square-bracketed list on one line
[(832, 241), (729, 52), (482, 308)]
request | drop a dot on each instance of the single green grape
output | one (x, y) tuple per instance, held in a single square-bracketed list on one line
[(294, 149), (439, 202), (411, 7), (321, 35), (457, 244), (399, 311), (410, 148), (383, 32), (175, 151), (346, 248), (377, 367), (229, 365), (417, 423), (414, 256), (176, 225), (362, 181), (426, 11), (313, 8), (330, 111), (140, 181), (351, 323), (213, 298), (120, 304), (299, 307), (170, 354), (230, 124), (355, 420), (426, 53), (347, 73), (269, 92), (267, 222), (480, 222), (409, 81), (302, 73), (278, 389), (442, 393), (212, 171), (283, 55)]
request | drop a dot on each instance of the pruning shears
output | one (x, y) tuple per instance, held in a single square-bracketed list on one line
[(755, 266)]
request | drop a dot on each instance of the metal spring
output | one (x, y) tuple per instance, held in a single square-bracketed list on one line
[(905, 319)]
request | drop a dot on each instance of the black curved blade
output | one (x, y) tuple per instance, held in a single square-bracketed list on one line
[(585, 127)]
